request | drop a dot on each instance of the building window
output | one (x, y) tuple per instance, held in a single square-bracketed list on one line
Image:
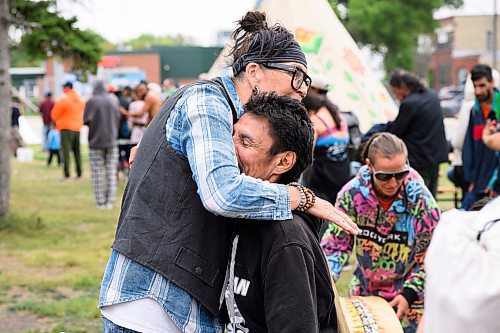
[(444, 74), (489, 40), (444, 40)]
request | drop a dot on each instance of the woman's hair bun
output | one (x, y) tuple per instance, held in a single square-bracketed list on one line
[(253, 21)]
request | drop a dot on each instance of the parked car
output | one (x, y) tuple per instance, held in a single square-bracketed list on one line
[(451, 98)]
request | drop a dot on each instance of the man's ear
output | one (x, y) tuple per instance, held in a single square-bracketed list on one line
[(284, 162), (253, 72)]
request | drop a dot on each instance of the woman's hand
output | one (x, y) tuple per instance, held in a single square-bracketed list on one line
[(401, 304), (325, 210), (133, 151)]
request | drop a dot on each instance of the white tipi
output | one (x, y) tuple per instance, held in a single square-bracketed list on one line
[(331, 52)]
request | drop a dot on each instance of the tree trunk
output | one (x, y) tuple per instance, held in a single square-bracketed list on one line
[(5, 111)]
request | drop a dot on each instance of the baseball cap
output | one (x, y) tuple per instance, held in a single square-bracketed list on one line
[(319, 82)]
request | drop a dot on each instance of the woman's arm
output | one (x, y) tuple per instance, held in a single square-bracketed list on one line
[(205, 128)]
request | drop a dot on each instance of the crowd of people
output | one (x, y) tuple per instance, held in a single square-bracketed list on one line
[(242, 207), (116, 119)]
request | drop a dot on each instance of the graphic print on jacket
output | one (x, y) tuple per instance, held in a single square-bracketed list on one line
[(391, 248), (235, 286)]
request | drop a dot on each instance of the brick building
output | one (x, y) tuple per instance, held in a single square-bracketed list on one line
[(460, 42)]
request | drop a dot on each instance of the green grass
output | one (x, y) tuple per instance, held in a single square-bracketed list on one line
[(54, 247), (54, 239)]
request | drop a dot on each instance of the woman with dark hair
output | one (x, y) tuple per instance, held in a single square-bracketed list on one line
[(330, 169), (166, 271), (420, 125)]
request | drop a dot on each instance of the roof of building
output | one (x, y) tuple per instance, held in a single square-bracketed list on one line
[(180, 62), (469, 8)]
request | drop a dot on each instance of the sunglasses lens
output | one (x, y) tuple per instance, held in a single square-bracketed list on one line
[(388, 176), (401, 175), (383, 176)]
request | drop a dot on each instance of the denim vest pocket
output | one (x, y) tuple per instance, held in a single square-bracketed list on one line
[(196, 265)]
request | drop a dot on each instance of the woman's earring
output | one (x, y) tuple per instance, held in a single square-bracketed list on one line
[(255, 90)]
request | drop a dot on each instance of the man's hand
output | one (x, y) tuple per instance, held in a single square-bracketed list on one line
[(401, 304), (491, 137), (133, 151), (325, 210)]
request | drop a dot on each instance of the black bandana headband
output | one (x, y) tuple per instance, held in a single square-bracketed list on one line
[(291, 53)]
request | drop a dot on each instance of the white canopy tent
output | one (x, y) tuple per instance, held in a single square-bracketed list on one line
[(332, 53)]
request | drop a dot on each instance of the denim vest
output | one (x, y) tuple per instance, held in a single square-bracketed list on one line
[(163, 224)]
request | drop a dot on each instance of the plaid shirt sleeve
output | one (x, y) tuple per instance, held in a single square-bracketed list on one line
[(200, 128)]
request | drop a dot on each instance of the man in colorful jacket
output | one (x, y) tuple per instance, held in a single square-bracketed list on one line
[(397, 215)]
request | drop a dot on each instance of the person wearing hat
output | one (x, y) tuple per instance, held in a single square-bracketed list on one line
[(45, 109), (319, 84), (68, 116)]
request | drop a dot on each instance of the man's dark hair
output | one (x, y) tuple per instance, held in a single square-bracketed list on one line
[(290, 128), (479, 71), (401, 78), (314, 102), (68, 84)]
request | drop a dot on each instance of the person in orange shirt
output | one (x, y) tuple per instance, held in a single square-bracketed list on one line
[(68, 116)]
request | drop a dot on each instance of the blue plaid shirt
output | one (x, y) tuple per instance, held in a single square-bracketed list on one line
[(126, 280), (200, 127)]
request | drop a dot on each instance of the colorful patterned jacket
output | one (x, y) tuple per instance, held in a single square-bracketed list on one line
[(391, 249)]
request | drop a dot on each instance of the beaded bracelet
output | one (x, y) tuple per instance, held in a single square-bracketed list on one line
[(307, 197), (311, 199)]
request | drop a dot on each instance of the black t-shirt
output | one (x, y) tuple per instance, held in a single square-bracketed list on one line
[(281, 279)]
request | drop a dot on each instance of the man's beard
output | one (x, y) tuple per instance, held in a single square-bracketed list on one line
[(484, 99)]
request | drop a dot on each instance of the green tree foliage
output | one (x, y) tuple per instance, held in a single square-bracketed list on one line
[(39, 31), (19, 58), (145, 41), (45, 33), (391, 27)]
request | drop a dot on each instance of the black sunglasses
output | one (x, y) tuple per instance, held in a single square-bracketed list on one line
[(386, 176), (299, 77)]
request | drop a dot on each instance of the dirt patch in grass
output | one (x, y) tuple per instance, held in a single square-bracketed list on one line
[(21, 321)]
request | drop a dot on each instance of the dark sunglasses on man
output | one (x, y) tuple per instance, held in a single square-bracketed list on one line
[(299, 77), (386, 176)]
